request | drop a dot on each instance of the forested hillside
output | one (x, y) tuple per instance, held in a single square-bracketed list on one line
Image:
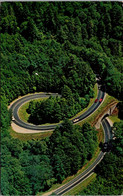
[(62, 42), (55, 47), (33, 166)]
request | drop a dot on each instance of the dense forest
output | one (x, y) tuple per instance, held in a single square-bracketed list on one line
[(65, 43), (33, 166)]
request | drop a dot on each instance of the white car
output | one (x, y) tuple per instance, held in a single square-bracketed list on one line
[(13, 118), (76, 120), (48, 93)]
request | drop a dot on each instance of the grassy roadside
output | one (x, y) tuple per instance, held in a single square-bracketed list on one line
[(22, 110), (114, 118), (82, 185), (26, 137), (100, 134), (91, 119)]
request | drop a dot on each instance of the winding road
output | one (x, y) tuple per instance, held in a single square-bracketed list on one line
[(17, 104), (106, 126)]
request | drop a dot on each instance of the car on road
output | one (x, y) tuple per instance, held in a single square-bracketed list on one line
[(13, 118), (48, 93), (96, 100), (100, 100), (105, 146), (99, 87), (76, 120)]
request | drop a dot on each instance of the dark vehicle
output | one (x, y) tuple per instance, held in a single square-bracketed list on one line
[(99, 87), (105, 146), (96, 100)]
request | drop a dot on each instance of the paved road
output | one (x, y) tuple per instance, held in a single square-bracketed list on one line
[(108, 132), (16, 105), (68, 186)]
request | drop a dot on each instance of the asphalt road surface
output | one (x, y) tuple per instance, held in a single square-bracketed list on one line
[(16, 105), (107, 130)]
